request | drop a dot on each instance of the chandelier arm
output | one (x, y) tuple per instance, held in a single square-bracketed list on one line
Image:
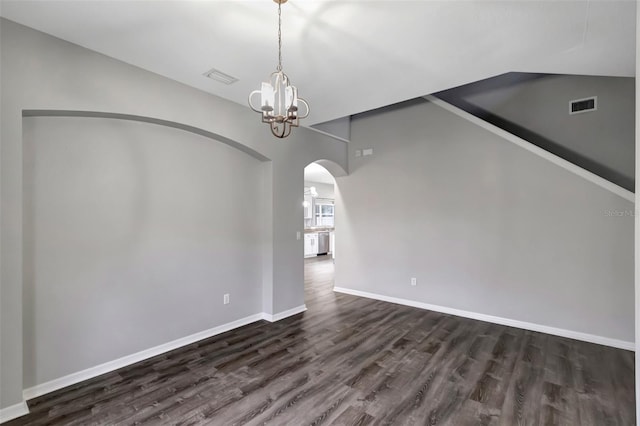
[(273, 128), (251, 103), (300, 100), (280, 130), (268, 118)]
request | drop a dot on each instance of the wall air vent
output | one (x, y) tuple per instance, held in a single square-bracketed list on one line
[(216, 75), (583, 105)]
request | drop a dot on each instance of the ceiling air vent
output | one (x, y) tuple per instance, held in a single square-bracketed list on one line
[(216, 75), (583, 105)]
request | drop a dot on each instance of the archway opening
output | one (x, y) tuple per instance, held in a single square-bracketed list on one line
[(319, 212)]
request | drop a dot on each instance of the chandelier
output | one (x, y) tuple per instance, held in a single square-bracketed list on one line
[(279, 100)]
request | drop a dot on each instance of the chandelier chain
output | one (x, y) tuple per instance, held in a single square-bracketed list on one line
[(279, 36)]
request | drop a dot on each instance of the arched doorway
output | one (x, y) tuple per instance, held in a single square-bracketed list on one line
[(319, 208)]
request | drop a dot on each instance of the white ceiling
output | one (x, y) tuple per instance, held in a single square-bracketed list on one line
[(316, 173), (346, 56)]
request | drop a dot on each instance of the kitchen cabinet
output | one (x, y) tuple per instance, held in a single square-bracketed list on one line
[(310, 244)]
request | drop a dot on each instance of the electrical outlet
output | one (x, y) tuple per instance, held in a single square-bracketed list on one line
[(226, 299), (414, 281), (358, 153)]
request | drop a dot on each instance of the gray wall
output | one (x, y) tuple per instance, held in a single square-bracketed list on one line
[(484, 225), (340, 127), (133, 232), (542, 105), (40, 72)]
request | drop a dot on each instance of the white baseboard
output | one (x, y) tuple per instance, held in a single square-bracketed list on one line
[(592, 338), (13, 411), (285, 314), (107, 367)]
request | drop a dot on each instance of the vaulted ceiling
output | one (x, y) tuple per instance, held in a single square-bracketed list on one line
[(346, 56)]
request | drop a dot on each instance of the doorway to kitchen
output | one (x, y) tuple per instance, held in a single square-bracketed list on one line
[(319, 208)]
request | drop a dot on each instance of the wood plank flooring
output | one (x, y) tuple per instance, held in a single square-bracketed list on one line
[(354, 361)]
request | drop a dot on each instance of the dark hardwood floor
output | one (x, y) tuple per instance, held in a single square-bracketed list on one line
[(354, 361)]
